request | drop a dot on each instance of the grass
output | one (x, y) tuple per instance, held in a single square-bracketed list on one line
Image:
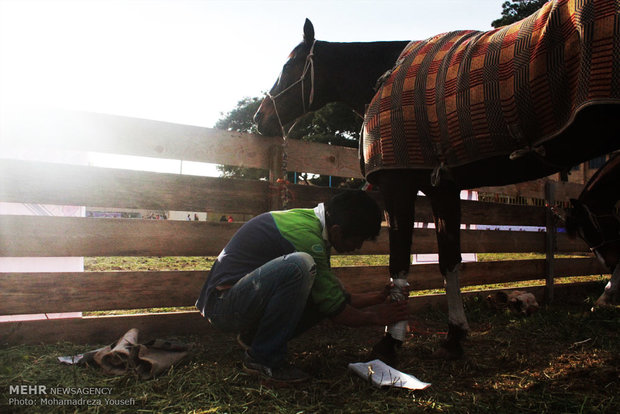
[(564, 359), (204, 263), (146, 263)]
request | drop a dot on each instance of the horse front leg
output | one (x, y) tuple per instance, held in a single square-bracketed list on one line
[(399, 195), (446, 204)]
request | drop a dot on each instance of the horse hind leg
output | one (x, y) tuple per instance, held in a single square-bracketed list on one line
[(458, 327), (445, 201)]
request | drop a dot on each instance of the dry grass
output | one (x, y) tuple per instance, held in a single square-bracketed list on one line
[(565, 359)]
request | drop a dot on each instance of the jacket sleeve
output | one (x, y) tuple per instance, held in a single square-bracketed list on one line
[(327, 293), (304, 232)]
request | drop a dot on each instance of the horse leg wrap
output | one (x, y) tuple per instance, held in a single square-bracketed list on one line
[(398, 330)]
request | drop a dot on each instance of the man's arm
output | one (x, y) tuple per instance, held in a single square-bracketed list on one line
[(362, 300), (383, 314)]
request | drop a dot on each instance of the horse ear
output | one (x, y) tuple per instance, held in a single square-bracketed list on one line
[(308, 32)]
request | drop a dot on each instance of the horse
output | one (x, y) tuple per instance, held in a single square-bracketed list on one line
[(427, 122), (594, 217)]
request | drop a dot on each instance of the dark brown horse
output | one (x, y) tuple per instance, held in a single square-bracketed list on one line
[(596, 219), (425, 138)]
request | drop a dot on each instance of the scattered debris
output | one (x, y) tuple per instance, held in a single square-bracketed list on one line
[(518, 301)]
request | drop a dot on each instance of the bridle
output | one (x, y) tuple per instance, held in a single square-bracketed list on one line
[(285, 193), (308, 67), (596, 220)]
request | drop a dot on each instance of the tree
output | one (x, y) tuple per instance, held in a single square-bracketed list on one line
[(240, 118), (334, 124), (515, 10)]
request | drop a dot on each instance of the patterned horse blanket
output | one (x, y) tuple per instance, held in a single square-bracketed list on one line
[(465, 96)]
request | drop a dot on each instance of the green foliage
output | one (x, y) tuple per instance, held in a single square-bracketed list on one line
[(240, 118), (515, 10), (334, 124)]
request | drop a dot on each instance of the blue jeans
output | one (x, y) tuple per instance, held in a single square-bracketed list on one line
[(269, 301)]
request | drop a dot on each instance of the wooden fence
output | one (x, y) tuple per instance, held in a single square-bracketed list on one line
[(60, 184)]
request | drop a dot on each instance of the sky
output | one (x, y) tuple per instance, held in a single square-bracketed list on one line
[(189, 61)]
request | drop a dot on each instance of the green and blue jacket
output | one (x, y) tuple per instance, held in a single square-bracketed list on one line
[(274, 234)]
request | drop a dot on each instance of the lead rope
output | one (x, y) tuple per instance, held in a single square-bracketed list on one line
[(282, 183)]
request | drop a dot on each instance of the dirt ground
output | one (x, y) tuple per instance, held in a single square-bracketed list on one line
[(563, 359)]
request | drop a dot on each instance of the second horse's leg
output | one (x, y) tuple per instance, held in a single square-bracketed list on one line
[(612, 290)]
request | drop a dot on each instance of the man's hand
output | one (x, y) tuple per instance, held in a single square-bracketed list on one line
[(389, 313)]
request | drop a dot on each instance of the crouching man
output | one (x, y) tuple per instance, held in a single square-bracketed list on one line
[(273, 281)]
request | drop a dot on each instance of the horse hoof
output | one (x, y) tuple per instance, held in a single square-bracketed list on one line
[(445, 354), (386, 355), (385, 350)]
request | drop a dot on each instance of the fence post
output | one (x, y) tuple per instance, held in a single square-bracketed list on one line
[(550, 239), (275, 172)]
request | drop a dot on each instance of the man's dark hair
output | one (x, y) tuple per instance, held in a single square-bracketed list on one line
[(356, 213)]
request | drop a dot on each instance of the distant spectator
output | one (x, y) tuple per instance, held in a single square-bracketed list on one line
[(195, 217), (189, 218), (223, 219), (230, 219)]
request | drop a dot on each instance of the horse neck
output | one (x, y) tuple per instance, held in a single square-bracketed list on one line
[(352, 70)]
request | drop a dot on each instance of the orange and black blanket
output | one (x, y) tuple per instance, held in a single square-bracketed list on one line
[(464, 96)]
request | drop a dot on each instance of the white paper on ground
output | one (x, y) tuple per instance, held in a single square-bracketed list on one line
[(383, 375)]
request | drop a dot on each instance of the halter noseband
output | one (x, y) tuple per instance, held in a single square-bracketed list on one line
[(309, 65)]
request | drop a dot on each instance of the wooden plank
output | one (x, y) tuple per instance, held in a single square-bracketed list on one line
[(323, 159), (566, 293), (567, 245), (22, 293), (104, 330), (132, 136), (34, 236), (47, 183), (427, 276), (479, 212), (536, 189)]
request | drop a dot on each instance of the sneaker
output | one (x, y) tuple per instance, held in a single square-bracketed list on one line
[(283, 373)]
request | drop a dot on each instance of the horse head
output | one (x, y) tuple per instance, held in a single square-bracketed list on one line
[(292, 94), (579, 222), (599, 229)]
